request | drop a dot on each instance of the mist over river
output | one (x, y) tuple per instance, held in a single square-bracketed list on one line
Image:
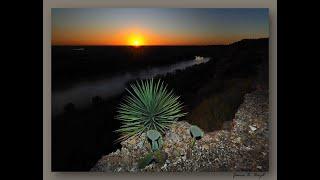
[(82, 92)]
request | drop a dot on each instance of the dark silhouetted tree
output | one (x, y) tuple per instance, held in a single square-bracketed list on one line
[(96, 101), (69, 108)]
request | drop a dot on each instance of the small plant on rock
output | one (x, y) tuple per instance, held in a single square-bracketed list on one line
[(145, 161), (155, 139), (156, 142), (196, 134)]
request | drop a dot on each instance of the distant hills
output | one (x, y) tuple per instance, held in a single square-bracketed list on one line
[(251, 42)]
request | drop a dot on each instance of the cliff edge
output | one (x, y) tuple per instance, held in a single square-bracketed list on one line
[(244, 148)]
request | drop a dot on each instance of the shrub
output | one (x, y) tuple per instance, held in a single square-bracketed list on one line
[(212, 111), (149, 105)]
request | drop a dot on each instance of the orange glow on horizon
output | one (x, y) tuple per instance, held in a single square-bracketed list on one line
[(156, 26), (134, 37)]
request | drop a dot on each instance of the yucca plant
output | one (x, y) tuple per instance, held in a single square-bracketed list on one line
[(149, 105)]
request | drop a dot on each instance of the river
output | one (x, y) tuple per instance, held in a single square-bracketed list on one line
[(82, 92)]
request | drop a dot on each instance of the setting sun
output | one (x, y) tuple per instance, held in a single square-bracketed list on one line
[(136, 41)]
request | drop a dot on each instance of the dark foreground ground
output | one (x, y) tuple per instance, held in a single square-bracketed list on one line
[(212, 93)]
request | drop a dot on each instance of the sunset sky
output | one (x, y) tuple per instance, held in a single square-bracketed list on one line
[(155, 26)]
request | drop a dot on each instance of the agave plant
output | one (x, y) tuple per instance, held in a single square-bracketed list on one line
[(149, 105)]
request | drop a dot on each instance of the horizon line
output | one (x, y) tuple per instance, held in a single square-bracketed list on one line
[(159, 44)]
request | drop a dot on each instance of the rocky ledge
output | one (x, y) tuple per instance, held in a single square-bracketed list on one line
[(243, 148)]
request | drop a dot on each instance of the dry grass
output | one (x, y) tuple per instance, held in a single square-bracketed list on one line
[(219, 107)]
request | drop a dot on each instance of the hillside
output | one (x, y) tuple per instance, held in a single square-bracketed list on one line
[(243, 148)]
